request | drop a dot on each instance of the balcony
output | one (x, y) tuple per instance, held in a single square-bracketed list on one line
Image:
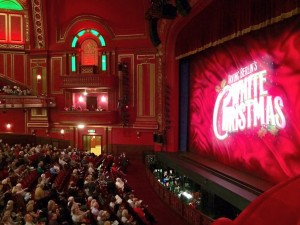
[(89, 81), (16, 101), (87, 117)]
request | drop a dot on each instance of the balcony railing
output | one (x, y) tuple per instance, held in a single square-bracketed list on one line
[(16, 101), (87, 117), (89, 80)]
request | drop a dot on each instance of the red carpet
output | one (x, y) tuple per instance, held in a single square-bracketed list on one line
[(137, 179)]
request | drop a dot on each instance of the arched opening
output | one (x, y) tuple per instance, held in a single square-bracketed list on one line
[(89, 53)]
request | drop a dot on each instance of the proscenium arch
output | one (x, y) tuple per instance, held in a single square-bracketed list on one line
[(88, 31)]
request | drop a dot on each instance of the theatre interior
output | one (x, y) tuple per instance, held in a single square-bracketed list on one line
[(203, 92)]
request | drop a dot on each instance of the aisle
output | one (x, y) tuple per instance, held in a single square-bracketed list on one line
[(142, 189)]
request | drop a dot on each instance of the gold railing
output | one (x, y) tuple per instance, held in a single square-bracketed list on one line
[(89, 80)]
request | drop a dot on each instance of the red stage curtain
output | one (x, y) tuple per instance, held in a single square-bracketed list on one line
[(224, 20)]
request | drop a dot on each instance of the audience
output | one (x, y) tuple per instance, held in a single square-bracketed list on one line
[(15, 90), (46, 185)]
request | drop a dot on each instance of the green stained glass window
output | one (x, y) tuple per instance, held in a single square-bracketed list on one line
[(81, 33), (10, 4), (94, 32), (74, 42), (102, 41), (103, 62), (73, 63)]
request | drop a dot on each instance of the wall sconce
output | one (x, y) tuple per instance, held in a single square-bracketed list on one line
[(62, 132), (138, 134), (8, 126), (38, 77), (81, 99), (33, 132), (103, 99), (85, 93), (80, 126)]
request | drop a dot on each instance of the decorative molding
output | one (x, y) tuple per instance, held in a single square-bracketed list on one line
[(64, 32), (27, 28), (159, 90), (11, 46), (4, 15), (29, 124), (38, 23), (145, 58), (23, 3), (10, 16), (37, 61)]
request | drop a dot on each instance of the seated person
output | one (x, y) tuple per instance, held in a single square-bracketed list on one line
[(79, 216)]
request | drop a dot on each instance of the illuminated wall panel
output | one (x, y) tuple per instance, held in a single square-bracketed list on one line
[(3, 27), (245, 102), (15, 28)]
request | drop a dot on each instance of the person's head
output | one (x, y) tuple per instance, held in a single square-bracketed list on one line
[(4, 181), (10, 203), (28, 218), (90, 198), (125, 213), (137, 204), (51, 205), (122, 207), (131, 196), (71, 199), (29, 208), (95, 205)]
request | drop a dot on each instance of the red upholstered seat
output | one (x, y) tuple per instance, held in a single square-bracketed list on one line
[(277, 206)]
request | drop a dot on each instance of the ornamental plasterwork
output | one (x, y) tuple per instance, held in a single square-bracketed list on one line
[(27, 33), (23, 3), (159, 90), (37, 15), (11, 46)]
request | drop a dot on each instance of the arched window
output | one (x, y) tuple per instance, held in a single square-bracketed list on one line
[(90, 43), (11, 22), (10, 4), (89, 53)]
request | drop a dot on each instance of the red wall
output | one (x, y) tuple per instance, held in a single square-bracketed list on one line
[(130, 136), (15, 117)]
